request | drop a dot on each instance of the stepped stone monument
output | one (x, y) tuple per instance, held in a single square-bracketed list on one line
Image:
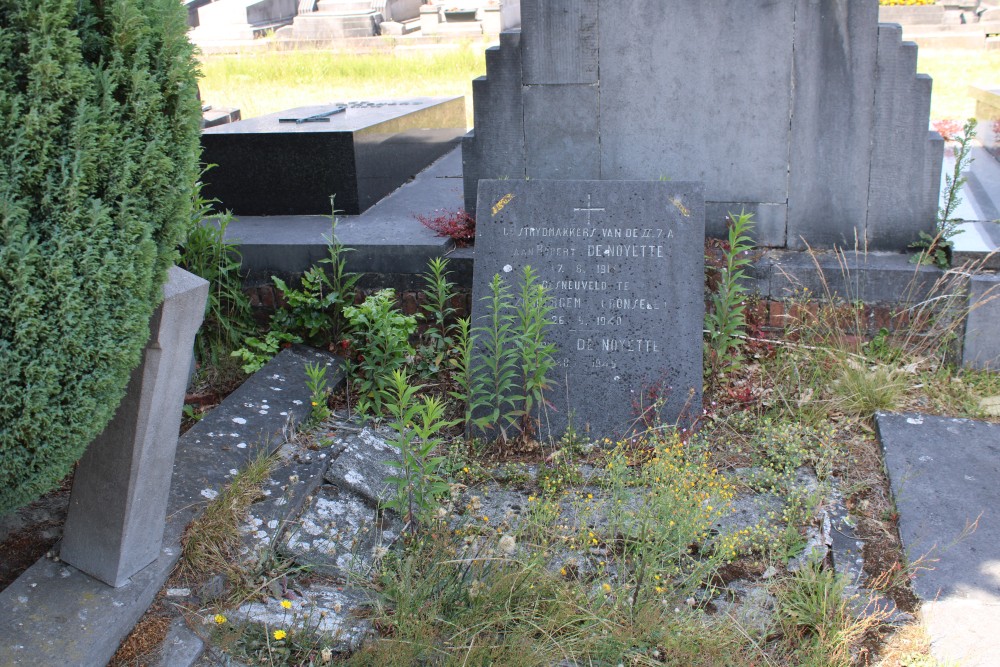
[(808, 113)]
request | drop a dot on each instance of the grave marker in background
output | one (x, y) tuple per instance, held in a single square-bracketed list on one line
[(623, 262)]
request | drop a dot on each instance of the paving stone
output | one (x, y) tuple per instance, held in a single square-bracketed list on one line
[(332, 612), (285, 493), (945, 479), (750, 605), (363, 466), (181, 647), (340, 534)]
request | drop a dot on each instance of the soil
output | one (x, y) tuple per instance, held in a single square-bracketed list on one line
[(31, 532)]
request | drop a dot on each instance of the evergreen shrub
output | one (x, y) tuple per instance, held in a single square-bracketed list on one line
[(99, 148)]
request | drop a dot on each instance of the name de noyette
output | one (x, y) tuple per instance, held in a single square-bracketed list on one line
[(622, 250)]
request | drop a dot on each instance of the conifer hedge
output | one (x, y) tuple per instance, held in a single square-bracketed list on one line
[(99, 123)]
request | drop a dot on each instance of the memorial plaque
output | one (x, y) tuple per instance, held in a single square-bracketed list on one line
[(623, 262)]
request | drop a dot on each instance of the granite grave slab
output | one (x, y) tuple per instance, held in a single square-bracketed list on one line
[(292, 162), (624, 265)]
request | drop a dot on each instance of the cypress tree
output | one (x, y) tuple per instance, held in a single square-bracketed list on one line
[(99, 123)]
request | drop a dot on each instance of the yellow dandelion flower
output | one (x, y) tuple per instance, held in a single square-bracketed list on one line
[(280, 634), (287, 604), (220, 619), (606, 587)]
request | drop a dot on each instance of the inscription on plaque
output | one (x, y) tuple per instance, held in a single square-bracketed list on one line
[(623, 263)]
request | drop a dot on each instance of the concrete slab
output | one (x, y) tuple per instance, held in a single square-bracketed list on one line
[(945, 478)]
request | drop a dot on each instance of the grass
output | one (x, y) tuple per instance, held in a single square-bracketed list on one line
[(264, 82), (953, 71)]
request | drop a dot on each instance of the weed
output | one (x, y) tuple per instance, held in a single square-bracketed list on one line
[(861, 390), (417, 427), (212, 542), (936, 249), (725, 319), (495, 376), (507, 386), (536, 355), (258, 351), (206, 253), (318, 393), (459, 226), (381, 340), (437, 316), (816, 615), (315, 312)]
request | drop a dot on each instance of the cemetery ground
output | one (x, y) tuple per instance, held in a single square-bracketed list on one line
[(735, 540), (764, 535)]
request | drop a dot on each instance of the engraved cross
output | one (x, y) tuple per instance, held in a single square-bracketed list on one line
[(589, 210)]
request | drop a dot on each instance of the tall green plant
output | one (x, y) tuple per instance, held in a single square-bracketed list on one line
[(417, 425), (437, 315), (495, 374), (725, 318), (936, 249), (381, 340), (315, 312), (536, 354), (509, 360), (99, 144)]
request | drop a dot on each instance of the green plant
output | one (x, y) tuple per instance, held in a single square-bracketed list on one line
[(494, 377), (862, 390), (259, 351), (725, 318), (381, 341), (505, 392), (436, 316), (99, 144), (318, 399), (206, 253), (816, 615), (471, 391), (417, 426), (536, 355), (936, 249), (212, 542), (314, 312)]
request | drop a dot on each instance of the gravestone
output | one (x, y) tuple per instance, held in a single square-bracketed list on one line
[(118, 505), (291, 162), (807, 113), (623, 263)]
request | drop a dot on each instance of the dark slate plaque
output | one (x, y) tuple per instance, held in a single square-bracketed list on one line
[(268, 167), (624, 265)]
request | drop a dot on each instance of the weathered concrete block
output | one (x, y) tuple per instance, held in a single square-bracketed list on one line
[(561, 134), (982, 328), (560, 41), (119, 500), (496, 150), (708, 102), (896, 214), (832, 122)]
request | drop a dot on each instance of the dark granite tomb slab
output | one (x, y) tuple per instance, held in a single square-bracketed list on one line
[(624, 264), (266, 167)]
